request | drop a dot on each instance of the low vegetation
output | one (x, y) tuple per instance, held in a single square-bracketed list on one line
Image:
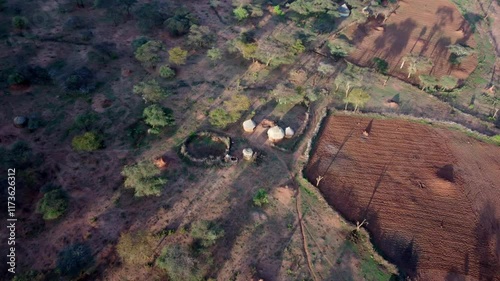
[(53, 204), (145, 178)]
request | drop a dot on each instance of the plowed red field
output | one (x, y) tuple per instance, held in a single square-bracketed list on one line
[(431, 196), (419, 27)]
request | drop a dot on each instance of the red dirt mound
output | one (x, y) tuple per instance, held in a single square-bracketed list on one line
[(431, 195), (418, 27)]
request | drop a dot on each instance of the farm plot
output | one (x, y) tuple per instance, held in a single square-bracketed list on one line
[(430, 195), (418, 27)]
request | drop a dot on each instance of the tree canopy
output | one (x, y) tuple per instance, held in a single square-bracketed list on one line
[(150, 52), (156, 117), (151, 91), (144, 177), (177, 55), (358, 97), (136, 248)]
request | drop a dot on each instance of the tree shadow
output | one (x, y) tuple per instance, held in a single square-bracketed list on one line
[(396, 36), (487, 247)]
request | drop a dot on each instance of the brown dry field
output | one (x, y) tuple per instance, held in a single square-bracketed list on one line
[(419, 27), (430, 195)]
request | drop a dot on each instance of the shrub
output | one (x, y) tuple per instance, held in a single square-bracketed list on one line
[(139, 41), (150, 52), (53, 204), (178, 263), (150, 91), (200, 37), (340, 48), (260, 198), (136, 248), (149, 16), (448, 82), (177, 55), (19, 22), (214, 54), (358, 97), (74, 260), (277, 10), (167, 72), (381, 65), (240, 13), (206, 233), (144, 177), (155, 116), (88, 141)]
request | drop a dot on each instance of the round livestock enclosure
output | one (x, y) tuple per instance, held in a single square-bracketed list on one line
[(208, 148)]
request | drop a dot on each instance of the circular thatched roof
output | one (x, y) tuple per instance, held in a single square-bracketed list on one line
[(20, 121), (249, 125), (276, 133), (289, 132)]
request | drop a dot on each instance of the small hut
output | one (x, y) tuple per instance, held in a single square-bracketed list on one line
[(20, 121), (276, 133), (249, 126), (161, 162), (247, 154), (344, 11), (289, 132)]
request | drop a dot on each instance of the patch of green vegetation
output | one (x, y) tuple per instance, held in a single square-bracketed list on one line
[(87, 142), (75, 260), (373, 271), (53, 204), (260, 198), (145, 178)]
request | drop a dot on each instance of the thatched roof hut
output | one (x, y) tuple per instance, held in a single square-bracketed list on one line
[(289, 132), (276, 133), (344, 11), (20, 121), (249, 126)]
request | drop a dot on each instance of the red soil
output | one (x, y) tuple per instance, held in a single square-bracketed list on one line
[(418, 27), (431, 195)]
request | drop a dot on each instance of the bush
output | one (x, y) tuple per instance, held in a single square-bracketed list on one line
[(177, 55), (88, 141), (149, 16), (180, 23), (150, 52), (19, 22), (136, 248), (220, 118), (178, 263), (17, 78), (157, 117), (53, 204), (74, 260), (144, 177), (167, 72), (240, 13), (150, 91), (206, 233), (260, 198), (381, 65), (80, 80), (139, 41), (200, 37)]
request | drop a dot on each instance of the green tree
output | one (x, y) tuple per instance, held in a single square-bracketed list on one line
[(19, 22), (150, 91), (149, 16), (180, 23), (53, 204), (220, 117), (240, 13), (214, 54), (88, 141), (179, 264), (310, 7), (156, 117), (150, 52), (260, 198), (74, 260), (416, 63), (448, 82), (177, 55), (166, 72), (459, 52), (285, 95), (358, 97), (381, 65), (200, 37), (340, 47), (237, 103), (428, 81), (326, 69), (206, 233), (144, 177), (136, 248)]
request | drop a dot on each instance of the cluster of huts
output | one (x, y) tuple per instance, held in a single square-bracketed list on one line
[(274, 133)]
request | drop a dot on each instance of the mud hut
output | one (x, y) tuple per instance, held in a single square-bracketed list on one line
[(20, 121), (276, 133), (249, 126), (344, 11), (289, 132), (161, 161), (247, 154)]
